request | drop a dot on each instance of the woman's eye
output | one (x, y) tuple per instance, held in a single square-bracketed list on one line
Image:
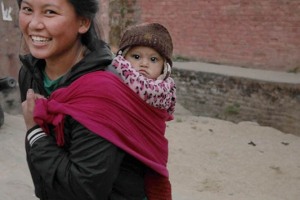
[(26, 9), (50, 12)]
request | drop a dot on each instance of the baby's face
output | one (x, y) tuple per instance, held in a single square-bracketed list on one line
[(146, 61)]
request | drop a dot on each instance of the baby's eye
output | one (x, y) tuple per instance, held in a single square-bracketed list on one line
[(135, 56), (154, 59)]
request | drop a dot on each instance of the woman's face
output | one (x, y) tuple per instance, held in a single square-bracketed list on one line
[(50, 27), (146, 61)]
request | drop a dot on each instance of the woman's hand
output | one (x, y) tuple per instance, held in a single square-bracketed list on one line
[(28, 108)]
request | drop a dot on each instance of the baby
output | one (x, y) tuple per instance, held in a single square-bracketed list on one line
[(144, 63)]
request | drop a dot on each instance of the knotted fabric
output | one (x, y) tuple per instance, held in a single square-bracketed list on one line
[(102, 103)]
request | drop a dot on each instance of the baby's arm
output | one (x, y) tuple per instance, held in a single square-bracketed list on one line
[(158, 93)]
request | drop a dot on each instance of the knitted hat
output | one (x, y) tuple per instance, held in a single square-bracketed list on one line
[(152, 35)]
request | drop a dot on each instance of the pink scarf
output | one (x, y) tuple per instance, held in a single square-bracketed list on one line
[(105, 105)]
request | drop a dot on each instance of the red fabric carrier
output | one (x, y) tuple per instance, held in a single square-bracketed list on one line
[(105, 105)]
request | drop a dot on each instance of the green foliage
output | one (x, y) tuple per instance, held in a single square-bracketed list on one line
[(179, 58), (232, 109), (178, 120), (294, 70)]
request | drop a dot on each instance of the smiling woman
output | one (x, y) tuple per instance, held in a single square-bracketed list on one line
[(43, 27), (63, 72)]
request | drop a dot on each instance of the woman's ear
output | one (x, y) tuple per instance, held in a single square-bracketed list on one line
[(85, 24)]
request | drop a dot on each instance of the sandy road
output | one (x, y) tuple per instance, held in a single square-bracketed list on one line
[(209, 159)]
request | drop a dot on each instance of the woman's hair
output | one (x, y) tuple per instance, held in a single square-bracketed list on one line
[(88, 9)]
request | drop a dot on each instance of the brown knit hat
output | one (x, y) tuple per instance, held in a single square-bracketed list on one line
[(152, 35)]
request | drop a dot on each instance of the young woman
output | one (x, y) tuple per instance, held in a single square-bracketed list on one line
[(80, 141)]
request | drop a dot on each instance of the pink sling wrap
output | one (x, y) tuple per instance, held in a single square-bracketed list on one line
[(102, 103)]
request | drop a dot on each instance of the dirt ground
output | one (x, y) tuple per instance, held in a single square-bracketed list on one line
[(209, 159)]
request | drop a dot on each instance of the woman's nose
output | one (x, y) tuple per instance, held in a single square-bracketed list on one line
[(36, 22)]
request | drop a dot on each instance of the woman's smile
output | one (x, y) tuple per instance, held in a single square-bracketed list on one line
[(40, 39)]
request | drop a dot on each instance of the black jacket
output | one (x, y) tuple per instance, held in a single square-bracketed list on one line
[(88, 167)]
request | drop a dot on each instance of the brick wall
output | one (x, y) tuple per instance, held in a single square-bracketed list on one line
[(253, 34), (240, 99), (256, 34)]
